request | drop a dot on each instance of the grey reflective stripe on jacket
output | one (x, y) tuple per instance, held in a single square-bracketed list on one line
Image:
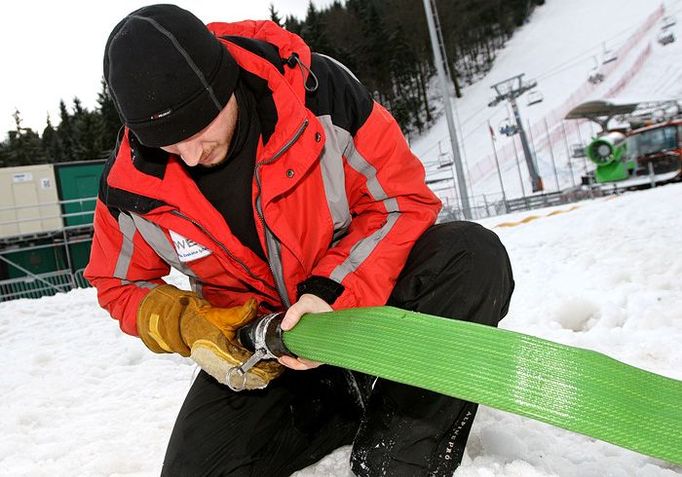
[(157, 240), (126, 225), (333, 175), (125, 254), (362, 249)]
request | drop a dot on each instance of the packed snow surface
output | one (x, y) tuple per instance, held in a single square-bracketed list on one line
[(79, 398)]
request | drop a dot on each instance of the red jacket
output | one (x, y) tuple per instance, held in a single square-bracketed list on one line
[(336, 193)]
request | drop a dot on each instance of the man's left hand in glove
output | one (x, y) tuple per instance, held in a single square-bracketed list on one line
[(177, 321)]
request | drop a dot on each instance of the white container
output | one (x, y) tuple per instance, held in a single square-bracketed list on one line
[(29, 203)]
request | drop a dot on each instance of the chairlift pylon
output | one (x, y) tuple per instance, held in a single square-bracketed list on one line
[(508, 128)]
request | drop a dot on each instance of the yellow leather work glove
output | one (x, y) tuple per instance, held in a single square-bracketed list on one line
[(177, 321)]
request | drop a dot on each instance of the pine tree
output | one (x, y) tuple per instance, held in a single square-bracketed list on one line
[(23, 146), (274, 16), (314, 33), (4, 154), (343, 32), (378, 52), (51, 143), (111, 121), (88, 125), (66, 134), (292, 24)]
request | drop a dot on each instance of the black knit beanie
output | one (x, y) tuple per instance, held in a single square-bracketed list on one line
[(168, 75)]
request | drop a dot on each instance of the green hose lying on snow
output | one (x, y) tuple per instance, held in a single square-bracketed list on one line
[(572, 388)]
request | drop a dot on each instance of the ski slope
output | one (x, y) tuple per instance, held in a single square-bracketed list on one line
[(79, 398), (558, 48)]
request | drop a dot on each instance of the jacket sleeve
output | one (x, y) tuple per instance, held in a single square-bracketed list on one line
[(389, 203), (122, 266)]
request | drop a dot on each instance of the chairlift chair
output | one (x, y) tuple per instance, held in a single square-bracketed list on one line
[(444, 160), (659, 115), (666, 37), (508, 128), (578, 151), (608, 56), (595, 76), (668, 22), (534, 97)]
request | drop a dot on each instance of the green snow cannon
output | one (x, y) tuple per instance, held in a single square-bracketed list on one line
[(608, 152)]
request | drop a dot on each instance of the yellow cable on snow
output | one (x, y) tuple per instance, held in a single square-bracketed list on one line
[(531, 218)]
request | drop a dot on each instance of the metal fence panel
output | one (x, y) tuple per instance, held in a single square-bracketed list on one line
[(46, 284)]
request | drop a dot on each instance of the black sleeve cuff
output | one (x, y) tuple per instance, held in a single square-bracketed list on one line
[(321, 287)]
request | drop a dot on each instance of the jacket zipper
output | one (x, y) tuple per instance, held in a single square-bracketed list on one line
[(281, 287), (246, 268)]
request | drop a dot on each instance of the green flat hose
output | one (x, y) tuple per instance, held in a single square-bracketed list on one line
[(572, 388)]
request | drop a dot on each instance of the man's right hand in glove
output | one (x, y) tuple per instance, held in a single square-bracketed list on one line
[(176, 321)]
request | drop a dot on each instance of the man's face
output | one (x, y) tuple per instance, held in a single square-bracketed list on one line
[(208, 147)]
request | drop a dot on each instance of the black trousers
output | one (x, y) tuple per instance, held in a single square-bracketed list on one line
[(458, 269)]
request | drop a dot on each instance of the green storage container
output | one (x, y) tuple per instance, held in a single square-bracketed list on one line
[(49, 258), (36, 261), (78, 183), (80, 254)]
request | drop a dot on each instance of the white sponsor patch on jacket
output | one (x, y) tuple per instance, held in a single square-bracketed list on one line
[(188, 249)]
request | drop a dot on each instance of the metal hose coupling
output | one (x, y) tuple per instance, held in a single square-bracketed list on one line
[(265, 333), (263, 337)]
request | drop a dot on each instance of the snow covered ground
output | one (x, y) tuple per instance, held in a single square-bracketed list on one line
[(79, 398)]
